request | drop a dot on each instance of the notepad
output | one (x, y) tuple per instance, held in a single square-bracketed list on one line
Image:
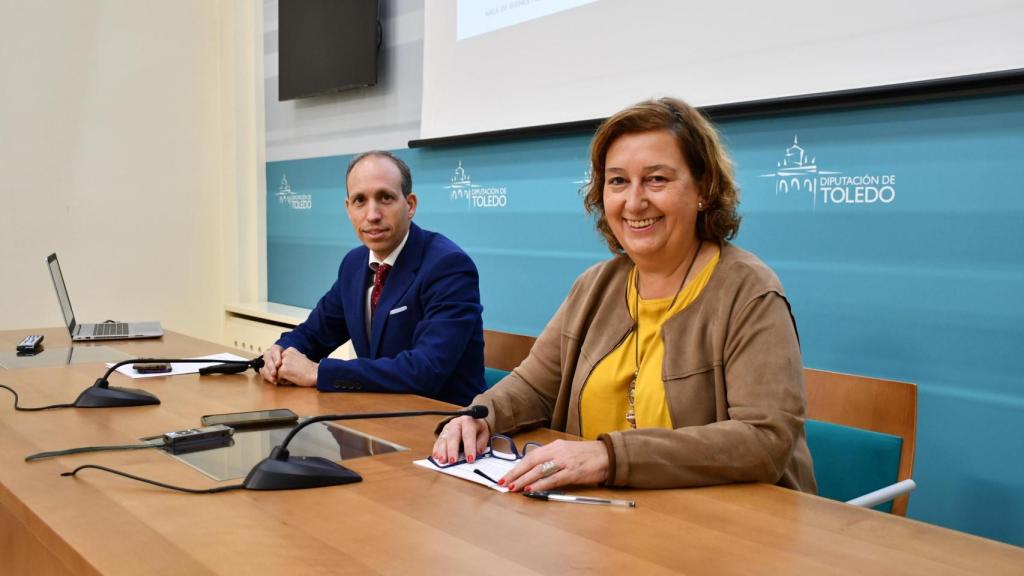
[(493, 467)]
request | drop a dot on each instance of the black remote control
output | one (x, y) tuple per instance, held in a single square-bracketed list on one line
[(195, 439), (30, 344)]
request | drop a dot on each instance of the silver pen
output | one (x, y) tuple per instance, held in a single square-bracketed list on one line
[(562, 497)]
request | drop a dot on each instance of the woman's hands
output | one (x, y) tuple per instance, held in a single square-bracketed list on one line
[(465, 431), (561, 463)]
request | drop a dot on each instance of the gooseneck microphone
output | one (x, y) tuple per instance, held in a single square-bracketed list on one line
[(280, 471), (102, 395)]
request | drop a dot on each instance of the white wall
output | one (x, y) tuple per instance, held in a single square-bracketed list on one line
[(130, 145), (385, 116)]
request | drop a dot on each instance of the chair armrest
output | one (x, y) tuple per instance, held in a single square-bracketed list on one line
[(882, 495)]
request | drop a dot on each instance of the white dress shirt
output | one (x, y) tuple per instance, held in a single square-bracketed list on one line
[(374, 263)]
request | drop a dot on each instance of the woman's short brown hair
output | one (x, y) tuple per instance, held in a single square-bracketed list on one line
[(699, 144)]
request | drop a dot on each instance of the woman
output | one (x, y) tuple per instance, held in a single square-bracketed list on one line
[(677, 360)]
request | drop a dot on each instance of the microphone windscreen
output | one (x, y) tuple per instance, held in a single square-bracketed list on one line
[(224, 368), (477, 411)]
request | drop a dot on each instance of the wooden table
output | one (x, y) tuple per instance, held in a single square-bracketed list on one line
[(401, 519)]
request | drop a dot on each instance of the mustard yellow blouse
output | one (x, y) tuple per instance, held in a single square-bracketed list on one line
[(605, 398)]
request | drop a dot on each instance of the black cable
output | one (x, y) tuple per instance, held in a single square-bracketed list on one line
[(80, 450), (34, 408), (154, 482)]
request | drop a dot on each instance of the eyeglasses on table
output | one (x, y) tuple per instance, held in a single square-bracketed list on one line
[(499, 446)]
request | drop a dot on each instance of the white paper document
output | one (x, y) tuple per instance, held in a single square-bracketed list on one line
[(492, 467), (183, 367)]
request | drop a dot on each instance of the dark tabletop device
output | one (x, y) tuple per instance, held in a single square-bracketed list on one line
[(30, 345)]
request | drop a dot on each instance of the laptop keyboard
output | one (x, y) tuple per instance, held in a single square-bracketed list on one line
[(111, 329)]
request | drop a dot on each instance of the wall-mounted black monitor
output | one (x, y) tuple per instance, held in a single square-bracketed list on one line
[(326, 46)]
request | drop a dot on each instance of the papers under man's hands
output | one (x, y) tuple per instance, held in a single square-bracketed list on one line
[(485, 470), (182, 368)]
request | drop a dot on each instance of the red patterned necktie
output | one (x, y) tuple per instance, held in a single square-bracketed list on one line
[(379, 277)]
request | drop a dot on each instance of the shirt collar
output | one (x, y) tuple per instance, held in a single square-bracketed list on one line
[(391, 259)]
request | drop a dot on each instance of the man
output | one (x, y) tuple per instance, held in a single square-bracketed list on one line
[(409, 299)]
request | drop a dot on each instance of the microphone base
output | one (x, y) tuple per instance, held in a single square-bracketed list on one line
[(114, 397), (298, 473)]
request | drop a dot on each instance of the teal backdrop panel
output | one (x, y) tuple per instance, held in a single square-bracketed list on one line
[(897, 231), (514, 207)]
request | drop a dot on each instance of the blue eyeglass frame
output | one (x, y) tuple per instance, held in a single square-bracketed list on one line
[(515, 450)]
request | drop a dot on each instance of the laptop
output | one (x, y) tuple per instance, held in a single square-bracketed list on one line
[(101, 331)]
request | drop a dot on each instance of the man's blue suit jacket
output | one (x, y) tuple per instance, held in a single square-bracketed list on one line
[(427, 333)]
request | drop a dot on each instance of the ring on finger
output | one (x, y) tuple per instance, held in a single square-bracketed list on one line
[(548, 468), (442, 435)]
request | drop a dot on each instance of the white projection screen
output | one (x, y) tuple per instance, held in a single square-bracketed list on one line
[(528, 63)]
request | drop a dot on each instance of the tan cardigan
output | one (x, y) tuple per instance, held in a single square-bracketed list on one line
[(732, 373)]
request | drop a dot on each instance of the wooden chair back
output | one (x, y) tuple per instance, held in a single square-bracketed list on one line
[(886, 406), (504, 350)]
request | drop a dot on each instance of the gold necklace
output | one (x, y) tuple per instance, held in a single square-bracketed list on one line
[(631, 413)]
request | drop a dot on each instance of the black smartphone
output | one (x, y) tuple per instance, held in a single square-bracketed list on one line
[(256, 418), (152, 367)]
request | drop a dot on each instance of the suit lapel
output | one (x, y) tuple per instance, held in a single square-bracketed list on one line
[(355, 302), (396, 285)]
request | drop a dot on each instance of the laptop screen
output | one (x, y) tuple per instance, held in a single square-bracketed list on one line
[(62, 291)]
